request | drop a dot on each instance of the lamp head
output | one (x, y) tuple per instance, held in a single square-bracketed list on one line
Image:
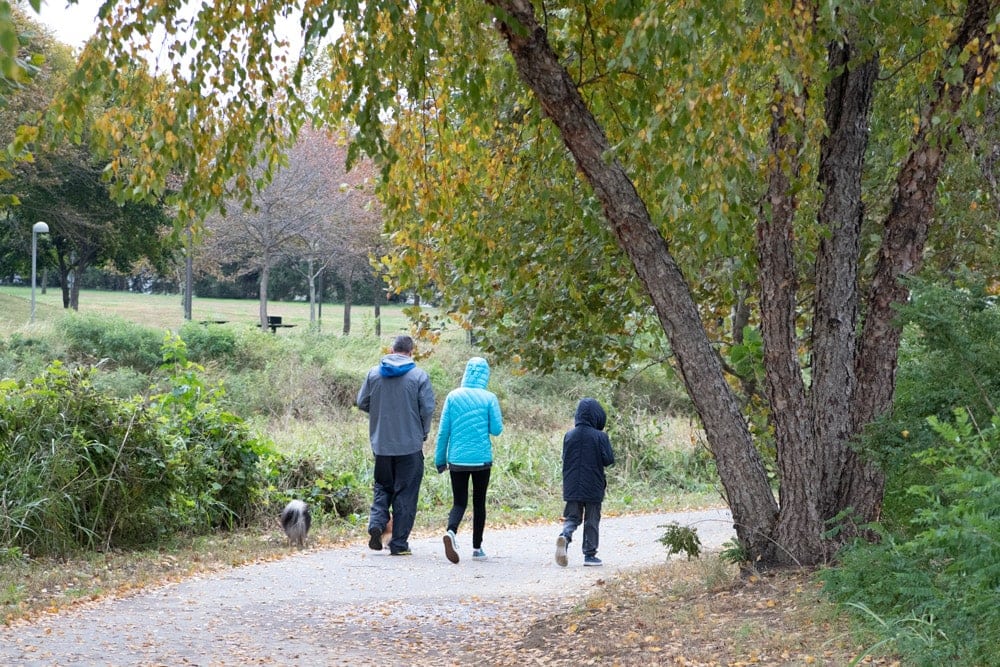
[(40, 228)]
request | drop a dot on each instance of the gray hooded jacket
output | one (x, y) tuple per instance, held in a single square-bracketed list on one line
[(399, 400)]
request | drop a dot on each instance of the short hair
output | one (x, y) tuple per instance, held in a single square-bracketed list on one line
[(402, 344)]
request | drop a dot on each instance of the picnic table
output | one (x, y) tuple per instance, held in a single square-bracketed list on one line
[(274, 322)]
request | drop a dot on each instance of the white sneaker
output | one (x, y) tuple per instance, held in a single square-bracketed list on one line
[(450, 551), (561, 543)]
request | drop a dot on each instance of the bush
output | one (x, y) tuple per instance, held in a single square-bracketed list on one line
[(110, 339), (214, 453), (339, 495), (934, 594), (24, 357), (208, 343), (79, 468), (950, 357)]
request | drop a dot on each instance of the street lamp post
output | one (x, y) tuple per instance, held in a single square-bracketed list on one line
[(36, 229)]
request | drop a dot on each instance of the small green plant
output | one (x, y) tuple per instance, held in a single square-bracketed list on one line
[(680, 539), (734, 552)]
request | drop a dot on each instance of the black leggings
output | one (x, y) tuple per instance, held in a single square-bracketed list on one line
[(460, 493)]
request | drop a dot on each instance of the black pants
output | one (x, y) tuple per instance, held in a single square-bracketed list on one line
[(590, 513), (460, 493), (397, 485)]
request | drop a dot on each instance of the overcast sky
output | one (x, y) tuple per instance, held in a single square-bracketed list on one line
[(72, 24)]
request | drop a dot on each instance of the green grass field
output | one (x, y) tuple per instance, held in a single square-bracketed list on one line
[(166, 311)]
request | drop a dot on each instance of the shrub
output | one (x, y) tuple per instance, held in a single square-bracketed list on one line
[(79, 468), (950, 357), (208, 343), (24, 357), (942, 580), (107, 338), (214, 454), (339, 495)]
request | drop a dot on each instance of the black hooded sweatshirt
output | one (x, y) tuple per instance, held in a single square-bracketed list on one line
[(586, 453)]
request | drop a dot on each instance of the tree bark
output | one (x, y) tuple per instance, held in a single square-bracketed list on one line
[(741, 469), (834, 343), (348, 302), (265, 274), (799, 524)]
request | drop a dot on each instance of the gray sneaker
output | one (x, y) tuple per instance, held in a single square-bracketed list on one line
[(592, 561), (561, 543)]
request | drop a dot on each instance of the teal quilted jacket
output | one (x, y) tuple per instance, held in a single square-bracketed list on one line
[(471, 414)]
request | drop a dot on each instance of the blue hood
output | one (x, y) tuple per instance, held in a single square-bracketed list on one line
[(394, 365), (477, 373), (590, 413)]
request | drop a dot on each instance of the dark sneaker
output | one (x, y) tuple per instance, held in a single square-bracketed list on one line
[(478, 554), (449, 547), (401, 552), (375, 538), (592, 561), (561, 559)]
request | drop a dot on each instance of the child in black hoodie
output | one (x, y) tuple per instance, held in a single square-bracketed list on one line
[(586, 453)]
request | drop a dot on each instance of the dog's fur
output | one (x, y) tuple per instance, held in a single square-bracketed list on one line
[(295, 520)]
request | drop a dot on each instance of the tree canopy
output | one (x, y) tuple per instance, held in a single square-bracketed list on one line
[(594, 171)]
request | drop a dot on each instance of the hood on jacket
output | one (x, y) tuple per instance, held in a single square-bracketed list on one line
[(395, 364), (477, 373), (590, 413)]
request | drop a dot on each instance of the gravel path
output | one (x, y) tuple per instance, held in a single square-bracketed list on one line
[(350, 605)]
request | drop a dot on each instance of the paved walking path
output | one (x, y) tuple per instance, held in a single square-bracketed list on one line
[(350, 605)]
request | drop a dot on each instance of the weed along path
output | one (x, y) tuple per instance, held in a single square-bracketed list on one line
[(350, 605)]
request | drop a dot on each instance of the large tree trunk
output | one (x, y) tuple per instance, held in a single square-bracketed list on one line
[(741, 469), (842, 155), (799, 472)]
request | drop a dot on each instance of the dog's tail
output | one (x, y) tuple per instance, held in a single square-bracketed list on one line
[(295, 520)]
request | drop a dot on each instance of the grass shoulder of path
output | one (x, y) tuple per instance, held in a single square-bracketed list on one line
[(693, 613)]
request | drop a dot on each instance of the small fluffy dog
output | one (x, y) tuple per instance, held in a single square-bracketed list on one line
[(295, 520)]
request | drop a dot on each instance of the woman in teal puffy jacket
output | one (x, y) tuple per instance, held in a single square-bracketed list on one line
[(471, 414)]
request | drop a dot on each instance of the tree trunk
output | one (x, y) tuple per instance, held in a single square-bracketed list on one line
[(265, 274), (348, 301), (321, 298), (189, 276), (312, 293), (799, 524), (74, 289), (741, 469), (848, 108)]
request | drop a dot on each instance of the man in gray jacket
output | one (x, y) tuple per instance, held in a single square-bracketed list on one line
[(399, 400)]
